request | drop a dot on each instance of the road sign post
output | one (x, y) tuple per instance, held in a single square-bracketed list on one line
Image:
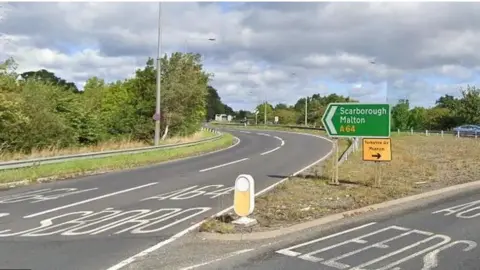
[(377, 150), (347, 120), (367, 120)]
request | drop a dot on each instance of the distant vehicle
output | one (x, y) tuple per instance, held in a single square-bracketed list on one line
[(467, 130)]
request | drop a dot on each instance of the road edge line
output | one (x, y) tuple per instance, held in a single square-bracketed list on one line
[(151, 249)]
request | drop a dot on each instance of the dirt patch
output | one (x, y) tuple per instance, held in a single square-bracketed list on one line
[(420, 164)]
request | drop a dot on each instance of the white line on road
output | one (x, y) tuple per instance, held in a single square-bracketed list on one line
[(223, 165), (270, 151), (90, 200), (278, 138), (219, 259), (276, 148), (4, 214), (288, 251), (153, 248), (247, 132), (264, 134)]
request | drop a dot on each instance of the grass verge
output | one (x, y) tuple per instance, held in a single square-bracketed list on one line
[(75, 168), (420, 164), (102, 146), (280, 128)]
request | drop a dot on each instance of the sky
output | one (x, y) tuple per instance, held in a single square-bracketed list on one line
[(373, 52)]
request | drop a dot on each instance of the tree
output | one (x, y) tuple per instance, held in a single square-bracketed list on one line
[(281, 106), (48, 76), (469, 110), (241, 114), (417, 118), (261, 112), (400, 115), (214, 103), (285, 116)]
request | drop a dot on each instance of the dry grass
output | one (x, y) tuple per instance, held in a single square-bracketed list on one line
[(103, 146), (221, 224), (419, 164)]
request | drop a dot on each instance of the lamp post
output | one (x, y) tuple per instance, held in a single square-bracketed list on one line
[(157, 116)]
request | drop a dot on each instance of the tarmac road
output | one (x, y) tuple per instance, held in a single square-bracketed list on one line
[(100, 222), (443, 235)]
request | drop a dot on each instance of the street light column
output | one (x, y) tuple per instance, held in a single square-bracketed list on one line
[(306, 110), (159, 72)]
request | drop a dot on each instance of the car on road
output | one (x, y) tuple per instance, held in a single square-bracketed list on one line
[(467, 130)]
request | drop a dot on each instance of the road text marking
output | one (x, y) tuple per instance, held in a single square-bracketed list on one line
[(223, 165), (89, 200), (41, 195), (193, 191), (462, 210), (390, 255), (140, 221)]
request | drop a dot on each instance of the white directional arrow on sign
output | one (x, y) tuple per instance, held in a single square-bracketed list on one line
[(328, 120)]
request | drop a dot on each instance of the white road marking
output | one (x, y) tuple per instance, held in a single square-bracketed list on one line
[(219, 259), (223, 165), (288, 252), (464, 208), (89, 200), (179, 194), (435, 242), (276, 148), (40, 195), (153, 248), (278, 138), (430, 260), (139, 221), (4, 214), (270, 151), (263, 134), (247, 132)]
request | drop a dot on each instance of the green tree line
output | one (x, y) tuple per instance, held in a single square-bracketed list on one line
[(448, 112), (40, 110), (295, 114)]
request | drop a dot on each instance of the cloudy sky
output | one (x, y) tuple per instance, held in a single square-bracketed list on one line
[(278, 51)]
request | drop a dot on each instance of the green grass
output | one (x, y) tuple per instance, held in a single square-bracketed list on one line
[(75, 168), (262, 127)]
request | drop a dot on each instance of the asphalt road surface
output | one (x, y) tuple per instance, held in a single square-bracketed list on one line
[(104, 221), (442, 236)]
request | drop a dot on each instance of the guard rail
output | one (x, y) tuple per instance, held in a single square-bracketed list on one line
[(13, 164)]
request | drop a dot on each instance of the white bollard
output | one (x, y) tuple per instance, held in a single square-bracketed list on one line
[(244, 199)]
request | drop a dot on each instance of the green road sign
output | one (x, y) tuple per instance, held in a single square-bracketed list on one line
[(357, 120)]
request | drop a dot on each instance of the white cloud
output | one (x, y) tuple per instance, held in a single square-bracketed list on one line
[(259, 46)]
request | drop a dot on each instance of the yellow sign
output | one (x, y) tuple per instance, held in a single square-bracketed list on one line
[(377, 149)]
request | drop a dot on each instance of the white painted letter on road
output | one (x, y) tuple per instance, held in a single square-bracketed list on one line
[(390, 251)]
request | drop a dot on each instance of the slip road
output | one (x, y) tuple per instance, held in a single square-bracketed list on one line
[(109, 220), (442, 236)]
